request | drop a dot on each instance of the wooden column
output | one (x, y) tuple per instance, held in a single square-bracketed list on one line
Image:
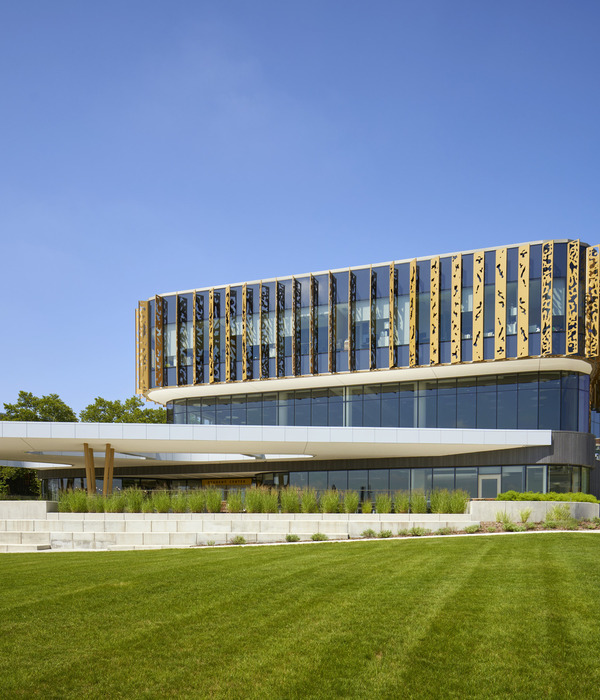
[(109, 463), (90, 472)]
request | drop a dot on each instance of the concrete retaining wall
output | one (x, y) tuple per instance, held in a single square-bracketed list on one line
[(26, 509), (486, 510)]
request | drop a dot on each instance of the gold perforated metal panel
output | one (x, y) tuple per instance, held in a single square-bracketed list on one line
[(313, 326), (456, 310), (373, 320), (500, 325), (546, 301), (434, 311), (523, 303), (351, 320), (228, 334), (592, 304), (478, 304), (143, 346), (412, 338), (158, 342), (296, 336), (392, 318), (331, 331), (211, 336), (244, 332), (573, 298)]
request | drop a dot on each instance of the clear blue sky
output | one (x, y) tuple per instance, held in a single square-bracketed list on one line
[(151, 146)]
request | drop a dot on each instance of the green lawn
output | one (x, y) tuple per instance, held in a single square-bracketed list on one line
[(481, 617)]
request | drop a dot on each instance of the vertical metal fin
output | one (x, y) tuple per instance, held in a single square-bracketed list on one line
[(331, 337), (592, 304), (182, 340), (478, 303), (296, 329), (412, 340), (279, 329), (546, 302), (392, 320), (264, 331), (455, 316), (434, 311), (198, 362), (523, 303), (211, 336), (373, 320), (159, 377), (351, 320), (573, 298), (244, 332), (228, 334), (500, 334), (144, 347), (313, 326)]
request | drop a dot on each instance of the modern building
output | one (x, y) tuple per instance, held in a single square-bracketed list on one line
[(475, 370)]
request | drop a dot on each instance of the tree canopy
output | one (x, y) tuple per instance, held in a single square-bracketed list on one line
[(35, 408), (129, 411)]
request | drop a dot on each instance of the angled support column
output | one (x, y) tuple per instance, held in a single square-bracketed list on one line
[(90, 471), (109, 463)]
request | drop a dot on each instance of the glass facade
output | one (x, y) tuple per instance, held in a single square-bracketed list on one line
[(533, 400)]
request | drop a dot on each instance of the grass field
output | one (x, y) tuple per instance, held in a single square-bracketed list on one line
[(482, 617)]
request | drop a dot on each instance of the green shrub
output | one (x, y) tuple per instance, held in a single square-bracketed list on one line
[(133, 500), (383, 503), (351, 501), (254, 500), (73, 501), (403, 533), (210, 543), (96, 503), (491, 528), (577, 496), (550, 525), (292, 538), (472, 529), (401, 501), (503, 519), (525, 514), (459, 500), (530, 526), (446, 531), (235, 501), (147, 506), (238, 539), (270, 500), (196, 500), (440, 500), (385, 533), (160, 501), (367, 506), (213, 499), (309, 502), (115, 503), (179, 502), (369, 532), (418, 501), (290, 500), (416, 531), (319, 537), (330, 501)]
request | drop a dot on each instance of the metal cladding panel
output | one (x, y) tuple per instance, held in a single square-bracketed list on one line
[(373, 320), (158, 342), (296, 329), (523, 303), (211, 336), (313, 325), (592, 304), (478, 304), (573, 298), (392, 320), (279, 330), (244, 332), (264, 331), (546, 301), (500, 349), (351, 320), (434, 311), (182, 340), (143, 346), (456, 310), (198, 344), (331, 334), (412, 313), (228, 334)]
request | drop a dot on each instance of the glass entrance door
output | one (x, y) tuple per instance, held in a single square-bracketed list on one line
[(489, 485)]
